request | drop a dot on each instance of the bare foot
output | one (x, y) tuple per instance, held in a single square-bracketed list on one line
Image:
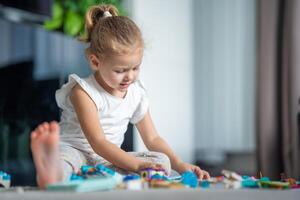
[(45, 151)]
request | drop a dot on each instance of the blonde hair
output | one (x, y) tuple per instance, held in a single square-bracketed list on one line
[(110, 34)]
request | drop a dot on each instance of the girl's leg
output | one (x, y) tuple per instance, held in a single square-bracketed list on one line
[(45, 151), (72, 160), (67, 170), (53, 162)]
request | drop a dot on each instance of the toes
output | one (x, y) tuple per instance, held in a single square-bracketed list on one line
[(33, 135), (54, 127), (40, 129), (45, 126)]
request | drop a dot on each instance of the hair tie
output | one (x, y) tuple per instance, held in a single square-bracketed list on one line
[(106, 14)]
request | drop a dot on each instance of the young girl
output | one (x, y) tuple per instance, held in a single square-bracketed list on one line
[(96, 110)]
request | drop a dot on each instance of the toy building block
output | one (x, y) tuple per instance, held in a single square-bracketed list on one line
[(134, 182), (204, 184), (148, 173), (232, 175), (86, 185), (109, 172), (190, 179), (90, 178), (5, 179), (232, 179), (274, 184), (88, 171), (250, 182)]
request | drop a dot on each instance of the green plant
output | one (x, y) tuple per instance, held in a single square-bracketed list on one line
[(68, 15)]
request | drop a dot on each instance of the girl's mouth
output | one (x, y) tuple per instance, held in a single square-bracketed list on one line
[(124, 85)]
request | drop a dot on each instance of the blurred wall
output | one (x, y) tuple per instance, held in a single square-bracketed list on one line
[(167, 69), (53, 53), (14, 46), (224, 77)]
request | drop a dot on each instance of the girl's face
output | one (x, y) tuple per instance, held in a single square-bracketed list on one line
[(116, 74)]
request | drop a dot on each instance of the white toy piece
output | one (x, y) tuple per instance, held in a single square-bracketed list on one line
[(4, 179)]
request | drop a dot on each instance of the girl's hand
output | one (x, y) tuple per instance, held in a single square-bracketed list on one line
[(154, 166), (202, 174)]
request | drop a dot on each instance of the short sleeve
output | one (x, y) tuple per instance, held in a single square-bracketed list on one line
[(62, 95), (143, 104)]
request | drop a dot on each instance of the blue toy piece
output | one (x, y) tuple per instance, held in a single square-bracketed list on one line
[(250, 183), (131, 177), (76, 177), (105, 170), (5, 179), (159, 177), (85, 185), (109, 172), (90, 178), (86, 169), (190, 179), (204, 184)]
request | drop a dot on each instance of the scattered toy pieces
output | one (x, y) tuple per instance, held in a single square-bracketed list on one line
[(102, 178), (5, 179), (88, 179)]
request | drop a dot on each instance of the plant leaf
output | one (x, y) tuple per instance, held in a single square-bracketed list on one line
[(73, 23)]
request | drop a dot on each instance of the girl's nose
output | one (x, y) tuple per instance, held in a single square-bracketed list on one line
[(130, 76)]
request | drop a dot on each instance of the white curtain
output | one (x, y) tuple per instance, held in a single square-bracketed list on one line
[(224, 74)]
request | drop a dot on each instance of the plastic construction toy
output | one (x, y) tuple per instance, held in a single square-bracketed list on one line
[(90, 178), (148, 173), (231, 175), (156, 178), (189, 179), (204, 184), (274, 184), (85, 185), (88, 171), (250, 182), (234, 180), (133, 182), (5, 179), (293, 183)]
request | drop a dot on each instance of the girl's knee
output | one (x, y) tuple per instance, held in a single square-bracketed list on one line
[(67, 170)]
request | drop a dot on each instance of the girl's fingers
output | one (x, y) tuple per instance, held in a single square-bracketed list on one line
[(197, 170), (159, 166), (155, 166), (205, 175), (202, 174)]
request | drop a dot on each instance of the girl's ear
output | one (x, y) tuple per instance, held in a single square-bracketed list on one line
[(94, 62)]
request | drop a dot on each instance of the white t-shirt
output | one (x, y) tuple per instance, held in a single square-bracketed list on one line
[(114, 113)]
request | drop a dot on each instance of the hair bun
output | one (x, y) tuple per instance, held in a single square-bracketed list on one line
[(94, 14)]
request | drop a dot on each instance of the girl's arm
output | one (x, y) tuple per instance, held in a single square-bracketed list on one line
[(154, 142), (89, 121)]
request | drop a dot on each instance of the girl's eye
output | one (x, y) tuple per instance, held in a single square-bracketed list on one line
[(119, 72), (136, 68)]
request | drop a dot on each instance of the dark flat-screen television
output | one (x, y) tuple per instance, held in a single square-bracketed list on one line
[(26, 10)]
